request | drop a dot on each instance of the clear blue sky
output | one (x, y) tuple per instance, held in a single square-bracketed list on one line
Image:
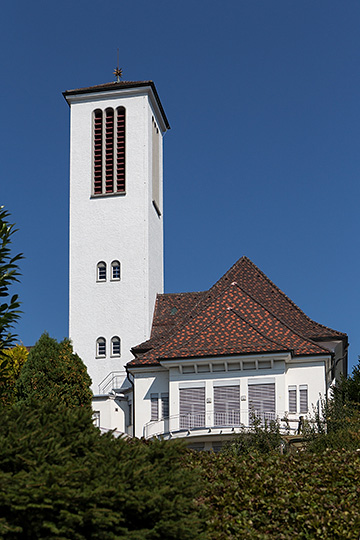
[(263, 155)]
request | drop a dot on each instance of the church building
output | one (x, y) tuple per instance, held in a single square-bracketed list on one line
[(194, 365)]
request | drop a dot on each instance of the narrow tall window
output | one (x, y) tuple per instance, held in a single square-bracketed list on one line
[(227, 405), (98, 153), (165, 405), (100, 347), (156, 166), (303, 391), (192, 407), (109, 151), (154, 398), (115, 346), (292, 399), (115, 271), (101, 271), (262, 401), (120, 150)]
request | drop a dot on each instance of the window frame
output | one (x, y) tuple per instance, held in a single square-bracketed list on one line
[(303, 398), (115, 340), (101, 265), (100, 342), (108, 152), (114, 265), (292, 397), (154, 407)]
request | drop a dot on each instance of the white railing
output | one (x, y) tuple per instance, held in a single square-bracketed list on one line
[(226, 421), (113, 380)]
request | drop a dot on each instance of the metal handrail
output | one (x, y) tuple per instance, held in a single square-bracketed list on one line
[(107, 383), (213, 420)]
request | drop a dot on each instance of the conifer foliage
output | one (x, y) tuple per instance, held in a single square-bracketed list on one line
[(54, 373), (60, 478)]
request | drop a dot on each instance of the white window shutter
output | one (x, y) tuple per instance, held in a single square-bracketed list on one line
[(303, 391), (227, 405), (262, 401), (292, 399), (154, 407), (192, 407)]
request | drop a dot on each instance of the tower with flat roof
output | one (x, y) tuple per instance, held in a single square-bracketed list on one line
[(116, 223)]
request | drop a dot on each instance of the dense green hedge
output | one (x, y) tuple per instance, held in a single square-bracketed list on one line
[(59, 478), (308, 496)]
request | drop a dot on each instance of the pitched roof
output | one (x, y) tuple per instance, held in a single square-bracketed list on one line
[(243, 313)]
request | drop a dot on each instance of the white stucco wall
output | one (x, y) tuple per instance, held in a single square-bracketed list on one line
[(285, 372), (151, 381), (113, 413), (124, 227)]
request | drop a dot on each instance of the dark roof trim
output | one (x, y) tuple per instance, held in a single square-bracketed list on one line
[(118, 86)]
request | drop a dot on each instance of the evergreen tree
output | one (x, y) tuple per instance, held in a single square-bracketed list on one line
[(15, 359), (54, 373), (9, 272), (60, 478)]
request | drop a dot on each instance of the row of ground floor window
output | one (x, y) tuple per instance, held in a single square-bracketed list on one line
[(226, 405)]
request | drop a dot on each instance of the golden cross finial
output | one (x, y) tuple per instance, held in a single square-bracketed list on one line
[(117, 70)]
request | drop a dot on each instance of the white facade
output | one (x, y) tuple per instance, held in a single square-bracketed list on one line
[(210, 428), (205, 398), (125, 227)]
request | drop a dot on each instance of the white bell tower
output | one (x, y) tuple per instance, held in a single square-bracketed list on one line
[(116, 223)]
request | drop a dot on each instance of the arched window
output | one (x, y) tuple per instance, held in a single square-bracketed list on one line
[(109, 151), (101, 347), (115, 271), (101, 271), (115, 346)]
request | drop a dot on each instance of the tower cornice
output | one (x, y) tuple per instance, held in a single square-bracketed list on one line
[(117, 89)]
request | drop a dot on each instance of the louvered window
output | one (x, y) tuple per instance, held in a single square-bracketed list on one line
[(154, 398), (192, 407), (120, 150), (303, 391), (227, 405), (98, 151), (165, 405), (262, 401), (109, 151), (292, 399)]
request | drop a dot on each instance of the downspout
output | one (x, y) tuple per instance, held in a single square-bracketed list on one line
[(133, 401)]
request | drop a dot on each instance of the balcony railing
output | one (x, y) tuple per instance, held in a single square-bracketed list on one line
[(225, 421), (113, 380)]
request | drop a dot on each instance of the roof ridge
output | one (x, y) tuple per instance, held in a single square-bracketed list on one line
[(257, 329), (286, 296), (309, 340)]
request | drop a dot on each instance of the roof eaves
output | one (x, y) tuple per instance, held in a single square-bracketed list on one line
[(118, 86)]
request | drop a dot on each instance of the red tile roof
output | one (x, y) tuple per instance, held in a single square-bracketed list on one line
[(243, 313)]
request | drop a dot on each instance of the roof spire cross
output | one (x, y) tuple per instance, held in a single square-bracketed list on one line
[(117, 70)]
